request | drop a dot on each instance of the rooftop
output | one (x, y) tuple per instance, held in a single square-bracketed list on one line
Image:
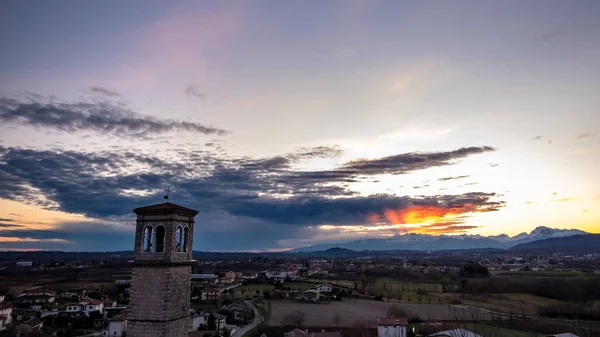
[(164, 208), (392, 321)]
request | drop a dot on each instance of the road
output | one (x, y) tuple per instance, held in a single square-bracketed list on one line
[(258, 318)]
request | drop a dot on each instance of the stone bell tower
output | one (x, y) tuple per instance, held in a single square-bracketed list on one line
[(160, 281)]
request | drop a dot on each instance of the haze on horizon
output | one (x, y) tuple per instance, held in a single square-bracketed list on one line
[(295, 123)]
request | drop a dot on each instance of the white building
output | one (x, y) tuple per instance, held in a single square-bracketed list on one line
[(324, 288), (116, 327), (210, 294), (198, 319), (6, 312), (90, 305), (455, 333), (24, 264), (392, 327), (86, 306)]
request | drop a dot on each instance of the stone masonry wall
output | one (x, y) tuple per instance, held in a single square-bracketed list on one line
[(159, 294)]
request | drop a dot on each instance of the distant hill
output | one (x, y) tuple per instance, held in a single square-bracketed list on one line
[(414, 241), (589, 243)]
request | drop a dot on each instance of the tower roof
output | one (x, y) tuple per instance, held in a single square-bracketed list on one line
[(164, 208)]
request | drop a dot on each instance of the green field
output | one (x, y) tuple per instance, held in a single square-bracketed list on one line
[(549, 273), (533, 299), (300, 285), (407, 286)]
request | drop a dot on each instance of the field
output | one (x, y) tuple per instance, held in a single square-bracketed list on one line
[(353, 310), (551, 273)]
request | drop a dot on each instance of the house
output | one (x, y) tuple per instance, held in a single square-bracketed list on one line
[(198, 320), (85, 306), (6, 310), (310, 296), (116, 327), (210, 294), (219, 320), (37, 295), (110, 303), (304, 333), (201, 333), (455, 333), (74, 308), (392, 326), (238, 310), (89, 305), (229, 277), (29, 326), (324, 288), (24, 264)]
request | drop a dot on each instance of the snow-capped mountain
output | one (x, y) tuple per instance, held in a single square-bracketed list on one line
[(414, 241)]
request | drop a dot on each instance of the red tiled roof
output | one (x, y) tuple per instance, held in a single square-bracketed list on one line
[(165, 208), (92, 301), (299, 333), (392, 321)]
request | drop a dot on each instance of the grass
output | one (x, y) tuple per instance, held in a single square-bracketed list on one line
[(300, 285), (484, 329), (533, 299), (547, 273), (407, 286)]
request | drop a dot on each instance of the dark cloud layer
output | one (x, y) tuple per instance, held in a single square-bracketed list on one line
[(104, 91), (269, 192), (192, 90), (452, 178), (103, 117)]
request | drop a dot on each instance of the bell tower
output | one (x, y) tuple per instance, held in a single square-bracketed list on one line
[(160, 280)]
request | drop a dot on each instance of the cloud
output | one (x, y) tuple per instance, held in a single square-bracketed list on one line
[(104, 91), (588, 134), (409, 162), (566, 199), (193, 91), (452, 178), (70, 236), (546, 37), (270, 192), (538, 137), (8, 225), (493, 164), (103, 117), (7, 220)]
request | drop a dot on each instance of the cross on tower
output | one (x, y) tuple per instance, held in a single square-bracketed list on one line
[(166, 197)]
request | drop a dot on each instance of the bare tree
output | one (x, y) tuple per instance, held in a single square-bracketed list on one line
[(337, 319), (294, 319), (396, 311)]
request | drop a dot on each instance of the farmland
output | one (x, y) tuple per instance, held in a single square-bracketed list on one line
[(353, 310)]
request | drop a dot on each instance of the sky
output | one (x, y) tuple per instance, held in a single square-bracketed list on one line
[(292, 123)]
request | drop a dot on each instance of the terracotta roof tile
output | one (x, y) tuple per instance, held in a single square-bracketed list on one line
[(164, 208), (392, 321)]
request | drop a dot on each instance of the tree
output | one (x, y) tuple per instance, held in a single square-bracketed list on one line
[(294, 319), (211, 323), (396, 311), (337, 319)]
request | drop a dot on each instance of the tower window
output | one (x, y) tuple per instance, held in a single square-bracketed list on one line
[(185, 239), (178, 239), (147, 240), (160, 239)]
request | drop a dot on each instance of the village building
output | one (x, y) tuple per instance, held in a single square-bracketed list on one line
[(161, 274), (392, 327)]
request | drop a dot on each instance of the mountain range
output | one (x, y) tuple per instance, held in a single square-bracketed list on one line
[(414, 241)]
